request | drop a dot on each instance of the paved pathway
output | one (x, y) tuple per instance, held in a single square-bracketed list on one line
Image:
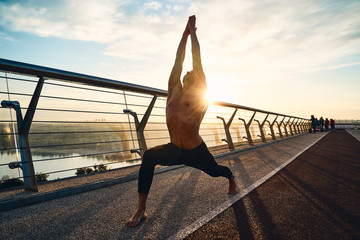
[(177, 201), (317, 196)]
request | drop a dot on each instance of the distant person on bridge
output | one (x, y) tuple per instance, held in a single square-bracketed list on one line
[(332, 124), (321, 122), (185, 108), (326, 124), (313, 124)]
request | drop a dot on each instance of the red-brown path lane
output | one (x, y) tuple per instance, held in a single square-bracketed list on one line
[(317, 196)]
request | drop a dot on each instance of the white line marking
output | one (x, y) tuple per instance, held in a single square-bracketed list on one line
[(212, 214)]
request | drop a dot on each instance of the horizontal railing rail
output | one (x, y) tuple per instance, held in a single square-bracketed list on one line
[(83, 121)]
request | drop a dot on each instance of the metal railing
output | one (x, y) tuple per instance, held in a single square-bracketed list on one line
[(61, 121)]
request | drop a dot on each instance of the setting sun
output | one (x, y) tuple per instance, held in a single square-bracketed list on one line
[(219, 90)]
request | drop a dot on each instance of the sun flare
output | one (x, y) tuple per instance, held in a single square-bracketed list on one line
[(220, 91)]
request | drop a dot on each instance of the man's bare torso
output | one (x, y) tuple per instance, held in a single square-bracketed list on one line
[(184, 111)]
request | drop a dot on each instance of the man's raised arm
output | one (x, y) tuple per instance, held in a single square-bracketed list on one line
[(174, 80), (195, 48)]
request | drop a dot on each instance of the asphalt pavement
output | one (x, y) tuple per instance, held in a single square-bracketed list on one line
[(317, 196)]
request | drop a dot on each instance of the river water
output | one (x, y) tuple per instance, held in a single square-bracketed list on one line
[(70, 162)]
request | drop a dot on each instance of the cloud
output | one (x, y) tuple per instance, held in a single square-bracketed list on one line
[(125, 28), (262, 38), (91, 20), (337, 66), (246, 39), (6, 37), (153, 5)]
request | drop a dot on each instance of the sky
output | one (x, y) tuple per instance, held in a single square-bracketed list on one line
[(291, 57)]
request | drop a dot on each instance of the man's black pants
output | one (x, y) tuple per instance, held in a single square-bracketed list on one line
[(169, 155)]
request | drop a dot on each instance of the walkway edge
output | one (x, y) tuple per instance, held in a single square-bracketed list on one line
[(212, 214)]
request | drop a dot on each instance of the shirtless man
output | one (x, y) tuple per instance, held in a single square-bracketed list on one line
[(184, 111)]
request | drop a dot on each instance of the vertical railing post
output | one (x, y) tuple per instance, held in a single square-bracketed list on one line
[(285, 125), (247, 126), (295, 125), (291, 127), (305, 130), (261, 125), (308, 125), (24, 125), (298, 126), (301, 126), (227, 130), (279, 127), (140, 126), (305, 126), (271, 125)]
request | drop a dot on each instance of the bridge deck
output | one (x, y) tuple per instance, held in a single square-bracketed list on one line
[(317, 196), (316, 192)]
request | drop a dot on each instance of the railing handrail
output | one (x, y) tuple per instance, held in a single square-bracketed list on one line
[(31, 69)]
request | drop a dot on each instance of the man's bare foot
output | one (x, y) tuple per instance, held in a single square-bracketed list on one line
[(232, 186), (137, 218)]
